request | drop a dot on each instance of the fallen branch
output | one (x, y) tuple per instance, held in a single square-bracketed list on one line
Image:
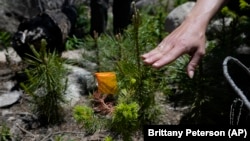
[(25, 131)]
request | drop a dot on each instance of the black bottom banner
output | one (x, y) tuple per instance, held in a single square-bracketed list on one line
[(184, 132)]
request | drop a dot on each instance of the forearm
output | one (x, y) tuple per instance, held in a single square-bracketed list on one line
[(203, 11)]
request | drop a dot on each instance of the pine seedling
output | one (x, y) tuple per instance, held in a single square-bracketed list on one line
[(125, 120), (46, 84), (86, 118)]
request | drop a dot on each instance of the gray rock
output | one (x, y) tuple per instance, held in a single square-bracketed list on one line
[(73, 54), (217, 24), (6, 85), (176, 16), (9, 98), (154, 3), (79, 56), (12, 12), (3, 56), (80, 82), (243, 49), (142, 3), (9, 54)]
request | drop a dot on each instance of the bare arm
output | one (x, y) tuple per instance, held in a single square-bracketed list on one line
[(188, 38)]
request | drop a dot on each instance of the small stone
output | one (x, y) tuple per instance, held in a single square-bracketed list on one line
[(9, 98)]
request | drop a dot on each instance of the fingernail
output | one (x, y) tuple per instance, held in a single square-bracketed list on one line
[(147, 60), (191, 74), (155, 65)]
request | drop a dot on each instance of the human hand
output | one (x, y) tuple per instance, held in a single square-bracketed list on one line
[(188, 38)]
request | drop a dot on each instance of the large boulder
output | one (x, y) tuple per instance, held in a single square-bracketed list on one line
[(54, 25), (143, 3), (177, 15), (12, 12), (80, 82)]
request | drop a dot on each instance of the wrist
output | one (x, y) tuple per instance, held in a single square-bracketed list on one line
[(197, 23)]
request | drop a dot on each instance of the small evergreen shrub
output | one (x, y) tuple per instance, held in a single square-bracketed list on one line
[(108, 138), (85, 117), (125, 120), (46, 84)]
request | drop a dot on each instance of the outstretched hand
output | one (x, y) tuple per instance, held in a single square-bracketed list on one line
[(186, 39)]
